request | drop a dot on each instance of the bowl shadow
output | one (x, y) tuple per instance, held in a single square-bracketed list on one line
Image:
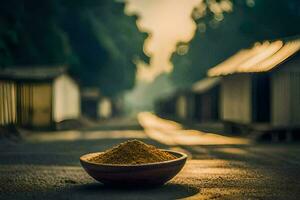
[(167, 191)]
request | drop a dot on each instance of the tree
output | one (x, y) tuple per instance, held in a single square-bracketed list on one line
[(218, 37), (96, 38)]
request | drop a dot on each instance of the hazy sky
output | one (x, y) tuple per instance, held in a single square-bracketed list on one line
[(168, 22)]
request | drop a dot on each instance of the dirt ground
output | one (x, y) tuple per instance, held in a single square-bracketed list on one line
[(45, 165)]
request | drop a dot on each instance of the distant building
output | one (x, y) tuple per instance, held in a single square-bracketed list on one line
[(206, 94), (166, 106), (200, 102), (44, 95), (262, 84), (90, 97), (94, 105)]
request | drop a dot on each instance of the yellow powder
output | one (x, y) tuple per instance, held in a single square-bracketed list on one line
[(132, 152)]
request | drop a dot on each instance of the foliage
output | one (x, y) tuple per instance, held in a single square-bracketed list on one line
[(95, 38), (217, 38)]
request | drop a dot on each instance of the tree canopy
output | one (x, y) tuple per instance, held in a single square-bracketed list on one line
[(95, 38), (219, 36)]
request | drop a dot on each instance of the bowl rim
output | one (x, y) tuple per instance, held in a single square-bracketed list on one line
[(183, 156)]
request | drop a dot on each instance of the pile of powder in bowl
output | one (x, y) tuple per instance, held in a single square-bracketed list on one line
[(132, 152)]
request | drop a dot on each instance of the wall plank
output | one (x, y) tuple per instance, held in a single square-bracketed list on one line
[(236, 98)]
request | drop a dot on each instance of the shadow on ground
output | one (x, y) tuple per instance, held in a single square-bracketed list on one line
[(96, 191)]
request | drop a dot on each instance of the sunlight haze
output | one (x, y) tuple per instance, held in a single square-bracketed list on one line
[(167, 22)]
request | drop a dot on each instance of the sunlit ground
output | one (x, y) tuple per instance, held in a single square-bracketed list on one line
[(172, 133)]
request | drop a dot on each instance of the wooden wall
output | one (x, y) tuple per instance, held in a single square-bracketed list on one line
[(66, 99), (286, 94), (24, 104), (34, 104), (236, 98), (7, 103), (295, 98)]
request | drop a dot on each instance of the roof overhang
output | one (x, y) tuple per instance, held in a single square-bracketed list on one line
[(262, 57)]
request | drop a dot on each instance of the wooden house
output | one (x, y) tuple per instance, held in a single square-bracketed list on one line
[(44, 95), (262, 84)]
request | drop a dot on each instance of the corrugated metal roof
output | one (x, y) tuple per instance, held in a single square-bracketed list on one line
[(262, 57), (205, 84), (38, 73)]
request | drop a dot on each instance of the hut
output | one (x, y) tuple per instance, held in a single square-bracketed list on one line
[(94, 105), (200, 103), (206, 94), (261, 85), (44, 95), (90, 97)]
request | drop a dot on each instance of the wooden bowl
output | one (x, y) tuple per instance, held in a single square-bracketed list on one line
[(134, 175)]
